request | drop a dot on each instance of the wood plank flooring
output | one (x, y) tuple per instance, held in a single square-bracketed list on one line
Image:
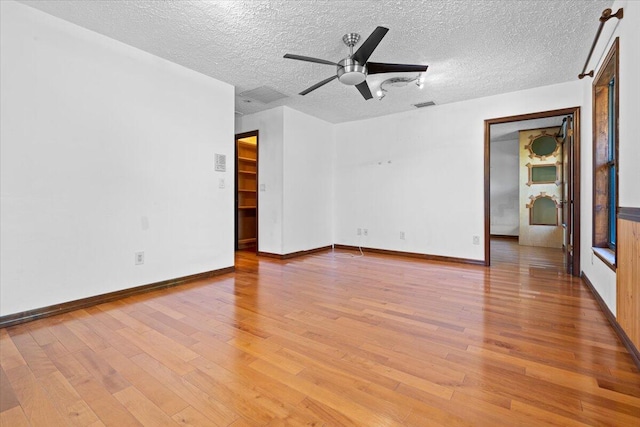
[(332, 340)]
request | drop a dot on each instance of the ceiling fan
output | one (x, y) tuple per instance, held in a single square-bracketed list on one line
[(353, 69)]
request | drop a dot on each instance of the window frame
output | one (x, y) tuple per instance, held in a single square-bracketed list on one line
[(605, 102)]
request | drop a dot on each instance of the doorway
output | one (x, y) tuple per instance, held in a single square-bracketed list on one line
[(568, 122), (246, 191)]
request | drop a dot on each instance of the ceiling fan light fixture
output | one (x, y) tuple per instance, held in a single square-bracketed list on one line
[(350, 72), (394, 82), (353, 70)]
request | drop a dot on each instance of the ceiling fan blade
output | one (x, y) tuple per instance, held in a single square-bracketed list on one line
[(309, 59), (369, 45), (364, 90), (380, 67), (317, 85)]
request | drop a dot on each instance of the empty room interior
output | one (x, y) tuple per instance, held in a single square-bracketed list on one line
[(320, 213)]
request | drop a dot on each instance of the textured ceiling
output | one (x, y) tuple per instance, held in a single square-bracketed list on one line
[(473, 48)]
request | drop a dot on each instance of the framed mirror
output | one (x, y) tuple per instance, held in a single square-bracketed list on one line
[(543, 146), (544, 174), (543, 210)]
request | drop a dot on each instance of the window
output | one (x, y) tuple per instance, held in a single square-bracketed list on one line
[(611, 166), (606, 88)]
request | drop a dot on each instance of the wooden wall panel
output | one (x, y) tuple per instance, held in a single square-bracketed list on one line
[(628, 277)]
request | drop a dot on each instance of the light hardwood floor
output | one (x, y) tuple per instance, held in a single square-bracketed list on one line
[(332, 340)]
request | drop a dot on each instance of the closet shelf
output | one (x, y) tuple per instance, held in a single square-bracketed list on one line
[(250, 144), (247, 159)]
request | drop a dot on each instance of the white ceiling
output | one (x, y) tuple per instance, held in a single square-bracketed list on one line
[(474, 48), (509, 131)]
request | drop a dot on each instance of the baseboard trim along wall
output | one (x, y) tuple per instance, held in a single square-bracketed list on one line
[(294, 254), (504, 236), (633, 351), (52, 310), (413, 255)]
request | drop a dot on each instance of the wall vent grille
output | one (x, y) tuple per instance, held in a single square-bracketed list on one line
[(424, 104), (262, 94)]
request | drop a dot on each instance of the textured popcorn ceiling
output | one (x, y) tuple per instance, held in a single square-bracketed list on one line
[(473, 48)]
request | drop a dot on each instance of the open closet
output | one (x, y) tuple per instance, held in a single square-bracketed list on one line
[(246, 187)]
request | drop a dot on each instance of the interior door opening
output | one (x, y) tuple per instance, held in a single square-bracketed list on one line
[(531, 176), (246, 191)]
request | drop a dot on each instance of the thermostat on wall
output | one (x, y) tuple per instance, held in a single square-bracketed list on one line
[(221, 163)]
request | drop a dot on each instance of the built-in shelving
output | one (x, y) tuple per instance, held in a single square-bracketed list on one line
[(246, 195)]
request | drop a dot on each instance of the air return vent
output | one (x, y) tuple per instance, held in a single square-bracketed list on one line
[(262, 94), (424, 104)]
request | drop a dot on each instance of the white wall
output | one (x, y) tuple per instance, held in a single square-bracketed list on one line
[(421, 172), (629, 32), (270, 125), (505, 217), (105, 150), (308, 182), (603, 278), (295, 167)]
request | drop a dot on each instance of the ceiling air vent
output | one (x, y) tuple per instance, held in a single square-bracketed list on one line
[(424, 104), (262, 94)]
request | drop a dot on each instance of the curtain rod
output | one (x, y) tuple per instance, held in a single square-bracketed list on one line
[(606, 15)]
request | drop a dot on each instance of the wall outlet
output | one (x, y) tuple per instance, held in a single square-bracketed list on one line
[(359, 232), (365, 231), (139, 258), (402, 235), (476, 240), (221, 183)]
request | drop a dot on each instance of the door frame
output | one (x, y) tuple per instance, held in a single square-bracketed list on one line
[(238, 136), (575, 111)]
